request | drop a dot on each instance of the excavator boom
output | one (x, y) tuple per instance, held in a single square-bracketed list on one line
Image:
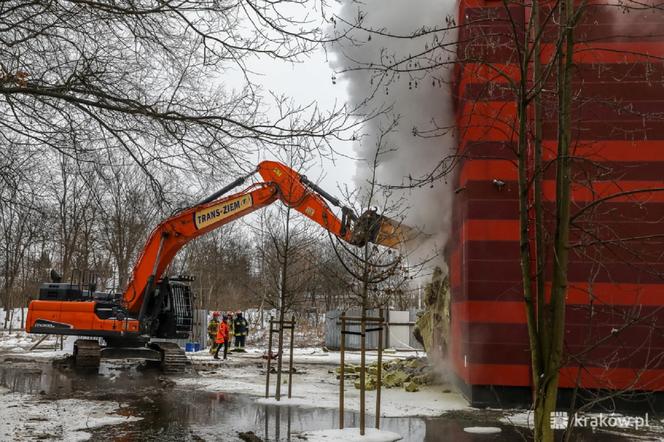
[(279, 183)]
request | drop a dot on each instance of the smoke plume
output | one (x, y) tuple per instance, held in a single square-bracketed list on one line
[(406, 74)]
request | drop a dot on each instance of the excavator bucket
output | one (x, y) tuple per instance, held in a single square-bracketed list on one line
[(392, 233), (371, 227)]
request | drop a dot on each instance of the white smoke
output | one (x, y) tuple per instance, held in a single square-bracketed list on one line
[(420, 99)]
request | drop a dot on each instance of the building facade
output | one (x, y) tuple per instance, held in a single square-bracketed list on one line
[(615, 306)]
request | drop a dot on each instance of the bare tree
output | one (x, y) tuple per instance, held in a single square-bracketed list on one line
[(70, 190), (126, 211), (221, 263), (286, 252), (21, 223), (376, 270), (142, 80)]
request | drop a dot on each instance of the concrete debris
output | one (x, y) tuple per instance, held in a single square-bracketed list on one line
[(411, 387), (411, 374), (432, 328), (369, 383)]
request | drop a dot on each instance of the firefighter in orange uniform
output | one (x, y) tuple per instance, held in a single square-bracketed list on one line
[(222, 338)]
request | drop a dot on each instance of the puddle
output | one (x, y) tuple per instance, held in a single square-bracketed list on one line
[(195, 415), (174, 414), (59, 380)]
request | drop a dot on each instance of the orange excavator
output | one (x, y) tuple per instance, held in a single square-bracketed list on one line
[(154, 306)]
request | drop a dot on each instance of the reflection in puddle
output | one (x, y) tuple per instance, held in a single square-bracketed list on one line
[(196, 415), (170, 414), (61, 380), (173, 414)]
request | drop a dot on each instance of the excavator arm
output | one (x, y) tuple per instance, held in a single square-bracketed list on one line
[(297, 192), (280, 183)]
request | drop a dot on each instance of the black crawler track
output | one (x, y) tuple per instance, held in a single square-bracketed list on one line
[(87, 353), (173, 360)]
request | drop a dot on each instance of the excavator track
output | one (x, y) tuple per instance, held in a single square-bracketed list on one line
[(173, 358), (87, 354)]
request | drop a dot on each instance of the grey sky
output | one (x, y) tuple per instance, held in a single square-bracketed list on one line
[(306, 82)]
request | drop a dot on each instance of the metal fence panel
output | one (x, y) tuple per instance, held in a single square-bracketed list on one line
[(399, 330), (413, 318), (333, 331)]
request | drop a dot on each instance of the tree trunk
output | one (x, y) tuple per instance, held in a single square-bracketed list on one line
[(363, 338), (282, 304), (552, 328)]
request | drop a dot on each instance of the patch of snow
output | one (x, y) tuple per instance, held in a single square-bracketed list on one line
[(349, 434), (286, 401), (19, 342), (519, 418), (42, 354), (482, 430), (26, 417), (313, 386), (15, 315), (306, 355)]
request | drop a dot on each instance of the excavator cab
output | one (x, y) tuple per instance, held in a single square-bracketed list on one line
[(169, 315), (172, 316)]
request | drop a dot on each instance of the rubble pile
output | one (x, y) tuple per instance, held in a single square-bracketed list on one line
[(409, 374), (432, 328)]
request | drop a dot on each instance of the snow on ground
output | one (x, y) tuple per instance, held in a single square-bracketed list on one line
[(20, 343), (519, 418), (39, 354), (314, 386), (16, 341), (15, 315), (310, 355), (482, 430), (29, 417), (348, 434)]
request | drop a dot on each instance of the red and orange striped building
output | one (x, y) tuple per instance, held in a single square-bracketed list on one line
[(615, 313)]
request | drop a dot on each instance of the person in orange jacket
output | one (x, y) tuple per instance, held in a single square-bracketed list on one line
[(222, 338)]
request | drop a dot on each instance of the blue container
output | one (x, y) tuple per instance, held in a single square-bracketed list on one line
[(189, 347), (197, 346)]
